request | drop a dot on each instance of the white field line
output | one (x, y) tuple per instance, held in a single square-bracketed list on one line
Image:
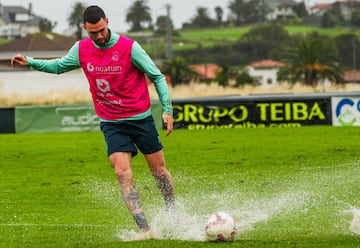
[(59, 225)]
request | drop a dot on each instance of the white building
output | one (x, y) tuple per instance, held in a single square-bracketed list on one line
[(17, 21), (264, 71), (281, 9)]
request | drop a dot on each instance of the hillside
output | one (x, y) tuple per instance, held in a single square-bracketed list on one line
[(240, 46), (188, 39)]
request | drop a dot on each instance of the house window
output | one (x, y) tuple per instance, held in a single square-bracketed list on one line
[(258, 79)]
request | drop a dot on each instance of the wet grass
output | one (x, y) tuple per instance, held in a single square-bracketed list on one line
[(285, 188)]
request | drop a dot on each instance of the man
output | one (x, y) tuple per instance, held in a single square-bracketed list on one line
[(114, 66)]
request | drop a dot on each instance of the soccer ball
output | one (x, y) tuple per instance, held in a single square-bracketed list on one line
[(220, 227)]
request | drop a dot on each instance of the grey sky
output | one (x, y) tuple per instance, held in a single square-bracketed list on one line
[(181, 10)]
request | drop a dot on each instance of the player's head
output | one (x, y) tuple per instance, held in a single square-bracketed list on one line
[(96, 24), (93, 14)]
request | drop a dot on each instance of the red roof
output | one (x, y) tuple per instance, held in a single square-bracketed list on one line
[(352, 76), (321, 6), (206, 71), (266, 63), (43, 41)]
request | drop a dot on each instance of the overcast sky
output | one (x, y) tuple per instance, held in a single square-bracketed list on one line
[(181, 10)]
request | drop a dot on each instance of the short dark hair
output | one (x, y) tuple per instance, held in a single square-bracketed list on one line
[(93, 14)]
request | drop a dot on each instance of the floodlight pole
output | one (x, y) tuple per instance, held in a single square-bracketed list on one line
[(354, 58), (168, 33)]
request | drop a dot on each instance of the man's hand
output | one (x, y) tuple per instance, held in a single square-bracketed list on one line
[(18, 59), (168, 122)]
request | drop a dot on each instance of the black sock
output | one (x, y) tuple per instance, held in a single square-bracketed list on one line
[(170, 203), (140, 221)]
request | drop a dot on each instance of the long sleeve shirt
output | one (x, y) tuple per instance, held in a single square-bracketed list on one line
[(140, 59)]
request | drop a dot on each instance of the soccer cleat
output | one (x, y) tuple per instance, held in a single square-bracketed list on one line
[(147, 235)]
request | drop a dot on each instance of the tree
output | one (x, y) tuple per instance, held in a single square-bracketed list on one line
[(247, 12), (348, 47), (310, 59), (256, 11), (223, 76), (161, 24), (300, 10), (263, 41), (329, 20), (138, 13), (178, 69), (46, 25), (75, 19), (243, 78), (219, 15), (202, 18), (237, 7), (333, 18), (355, 18)]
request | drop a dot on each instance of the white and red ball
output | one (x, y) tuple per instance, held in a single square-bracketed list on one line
[(220, 227)]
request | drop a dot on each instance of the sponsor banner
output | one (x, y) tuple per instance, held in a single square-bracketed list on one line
[(240, 113), (64, 118), (156, 110), (345, 111), (7, 120)]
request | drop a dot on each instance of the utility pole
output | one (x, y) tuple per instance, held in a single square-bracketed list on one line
[(354, 58), (168, 33), (307, 5)]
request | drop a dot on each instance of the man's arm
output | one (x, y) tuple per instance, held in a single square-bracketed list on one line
[(57, 66), (142, 61)]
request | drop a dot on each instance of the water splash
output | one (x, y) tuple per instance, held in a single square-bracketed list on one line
[(355, 222), (255, 211), (181, 225), (171, 225), (303, 200)]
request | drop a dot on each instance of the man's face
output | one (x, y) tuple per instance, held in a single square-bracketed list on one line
[(98, 32)]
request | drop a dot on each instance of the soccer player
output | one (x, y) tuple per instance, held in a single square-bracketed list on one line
[(115, 67)]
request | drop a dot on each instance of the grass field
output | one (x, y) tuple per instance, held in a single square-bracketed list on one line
[(284, 187), (207, 37)]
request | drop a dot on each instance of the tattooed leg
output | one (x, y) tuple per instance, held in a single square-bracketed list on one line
[(166, 188), (162, 176), (132, 201), (121, 161)]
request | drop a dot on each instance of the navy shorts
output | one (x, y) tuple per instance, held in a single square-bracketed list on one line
[(131, 135)]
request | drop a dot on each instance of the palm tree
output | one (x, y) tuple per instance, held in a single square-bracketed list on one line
[(161, 24), (219, 14), (246, 12), (75, 19), (45, 25), (138, 13), (236, 8), (178, 69), (202, 18), (311, 59)]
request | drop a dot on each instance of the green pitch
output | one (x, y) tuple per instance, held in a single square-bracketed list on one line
[(284, 187)]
